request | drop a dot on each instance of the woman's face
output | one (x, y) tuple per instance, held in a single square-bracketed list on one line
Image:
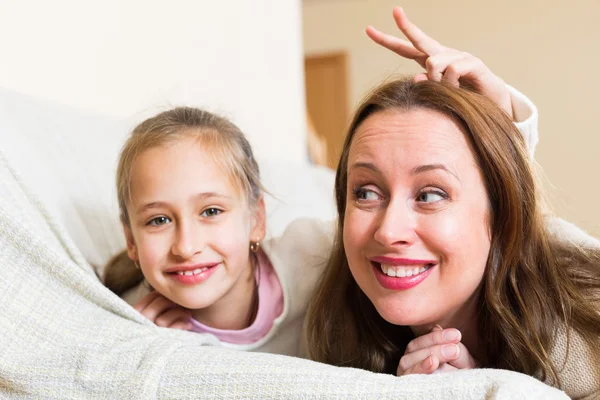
[(416, 229)]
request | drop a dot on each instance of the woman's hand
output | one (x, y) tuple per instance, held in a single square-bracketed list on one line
[(442, 63), (438, 351), (163, 312)]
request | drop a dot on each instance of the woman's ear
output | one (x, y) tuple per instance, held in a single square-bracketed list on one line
[(131, 247), (259, 221)]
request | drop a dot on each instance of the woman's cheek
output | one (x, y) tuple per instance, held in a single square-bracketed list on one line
[(356, 228)]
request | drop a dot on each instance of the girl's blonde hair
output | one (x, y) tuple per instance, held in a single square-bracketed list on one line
[(219, 136), (534, 284)]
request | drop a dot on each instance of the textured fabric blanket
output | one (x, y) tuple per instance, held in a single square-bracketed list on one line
[(65, 336)]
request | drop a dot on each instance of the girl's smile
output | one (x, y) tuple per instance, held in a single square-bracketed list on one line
[(193, 274)]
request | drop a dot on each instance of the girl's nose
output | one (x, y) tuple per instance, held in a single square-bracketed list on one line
[(188, 241)]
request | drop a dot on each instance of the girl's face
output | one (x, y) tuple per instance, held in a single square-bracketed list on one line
[(416, 225), (191, 227)]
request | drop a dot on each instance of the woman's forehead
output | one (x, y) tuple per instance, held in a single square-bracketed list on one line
[(393, 133)]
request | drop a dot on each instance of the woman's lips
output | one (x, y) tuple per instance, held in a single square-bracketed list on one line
[(403, 276)]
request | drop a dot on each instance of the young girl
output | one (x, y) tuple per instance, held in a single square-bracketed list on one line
[(194, 219)]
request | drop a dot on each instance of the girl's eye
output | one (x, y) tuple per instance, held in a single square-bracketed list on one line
[(158, 221), (365, 194), (431, 196), (211, 212)]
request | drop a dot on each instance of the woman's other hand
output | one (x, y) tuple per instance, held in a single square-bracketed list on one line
[(442, 63)]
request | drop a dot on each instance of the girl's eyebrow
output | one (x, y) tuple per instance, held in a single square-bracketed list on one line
[(199, 196)]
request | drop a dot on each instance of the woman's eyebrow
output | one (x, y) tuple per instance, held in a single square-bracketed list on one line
[(430, 167), (366, 165)]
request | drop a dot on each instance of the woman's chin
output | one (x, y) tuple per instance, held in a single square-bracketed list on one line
[(403, 315)]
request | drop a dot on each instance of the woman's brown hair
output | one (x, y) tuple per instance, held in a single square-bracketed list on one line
[(225, 142), (533, 283)]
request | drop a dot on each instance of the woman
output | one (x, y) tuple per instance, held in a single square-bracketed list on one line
[(440, 226)]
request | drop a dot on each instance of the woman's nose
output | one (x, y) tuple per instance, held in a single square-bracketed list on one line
[(397, 225)]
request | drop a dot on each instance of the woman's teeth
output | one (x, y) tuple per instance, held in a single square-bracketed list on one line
[(401, 272), (194, 272)]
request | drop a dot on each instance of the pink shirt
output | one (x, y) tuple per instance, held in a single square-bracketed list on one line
[(270, 306)]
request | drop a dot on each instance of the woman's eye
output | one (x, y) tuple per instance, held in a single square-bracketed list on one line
[(158, 221), (211, 212), (431, 197), (365, 194)]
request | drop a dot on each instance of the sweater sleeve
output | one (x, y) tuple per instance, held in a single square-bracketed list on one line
[(525, 116)]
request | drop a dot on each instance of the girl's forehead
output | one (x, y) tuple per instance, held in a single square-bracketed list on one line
[(180, 168)]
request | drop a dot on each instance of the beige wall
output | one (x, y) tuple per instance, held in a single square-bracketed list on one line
[(130, 58), (550, 50)]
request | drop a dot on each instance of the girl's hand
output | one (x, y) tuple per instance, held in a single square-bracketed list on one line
[(163, 312), (443, 63), (438, 351)]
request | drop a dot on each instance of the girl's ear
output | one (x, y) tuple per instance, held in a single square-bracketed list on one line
[(259, 221), (131, 247)]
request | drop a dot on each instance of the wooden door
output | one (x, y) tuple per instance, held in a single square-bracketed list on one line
[(327, 100)]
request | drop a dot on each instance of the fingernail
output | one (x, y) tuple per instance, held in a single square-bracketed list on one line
[(437, 328), (428, 362), (451, 335), (450, 350)]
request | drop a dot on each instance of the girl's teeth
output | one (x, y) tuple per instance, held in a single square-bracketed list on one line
[(194, 272)]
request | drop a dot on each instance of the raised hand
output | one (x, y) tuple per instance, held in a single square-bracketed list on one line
[(438, 351), (163, 312), (443, 63)]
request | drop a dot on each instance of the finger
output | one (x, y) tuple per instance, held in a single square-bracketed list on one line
[(158, 306), (437, 65), (427, 366), (464, 360), (434, 338), (397, 45), (144, 301), (182, 325), (420, 77), (417, 37), (170, 316), (467, 69), (445, 367), (451, 76), (444, 353)]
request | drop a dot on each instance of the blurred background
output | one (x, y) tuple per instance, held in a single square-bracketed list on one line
[(549, 50), (290, 72)]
